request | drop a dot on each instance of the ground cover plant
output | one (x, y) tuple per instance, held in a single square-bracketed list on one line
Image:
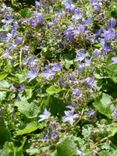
[(58, 78)]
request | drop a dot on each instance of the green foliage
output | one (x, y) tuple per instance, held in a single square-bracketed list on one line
[(56, 105), (58, 64), (3, 76), (30, 127), (103, 105), (10, 149), (112, 72), (25, 12), (30, 110), (54, 89), (67, 147), (4, 132), (113, 9)]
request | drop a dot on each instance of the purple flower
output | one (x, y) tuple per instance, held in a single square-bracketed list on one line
[(15, 26), (21, 88), (7, 20), (91, 113), (87, 62), (3, 37), (95, 4), (33, 73), (39, 18), (56, 67), (19, 40), (108, 34), (45, 116), (77, 11), (88, 21), (54, 135), (37, 5), (76, 92), (72, 78), (36, 19), (114, 59), (48, 73), (111, 23), (80, 56), (90, 80), (107, 47), (81, 28), (12, 46), (69, 115), (30, 59), (69, 33), (67, 6), (33, 22), (76, 17), (96, 53)]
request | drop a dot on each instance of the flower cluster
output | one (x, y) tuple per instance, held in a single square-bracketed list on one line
[(55, 53)]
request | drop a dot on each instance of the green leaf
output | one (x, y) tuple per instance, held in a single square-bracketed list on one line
[(30, 110), (26, 12), (113, 9), (2, 95), (68, 63), (108, 153), (29, 92), (112, 128), (4, 84), (3, 76), (56, 106), (67, 147), (112, 72), (4, 132), (30, 127), (21, 76), (11, 150), (54, 89), (103, 105)]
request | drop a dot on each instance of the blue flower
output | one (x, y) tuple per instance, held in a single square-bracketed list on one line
[(56, 67), (109, 34), (111, 23), (91, 113), (50, 72), (69, 33), (19, 40), (39, 18), (45, 116), (114, 59), (69, 115), (7, 20), (30, 60), (12, 46), (21, 88), (76, 92), (107, 46), (37, 5), (33, 73), (15, 26), (80, 56), (36, 19), (90, 80)]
